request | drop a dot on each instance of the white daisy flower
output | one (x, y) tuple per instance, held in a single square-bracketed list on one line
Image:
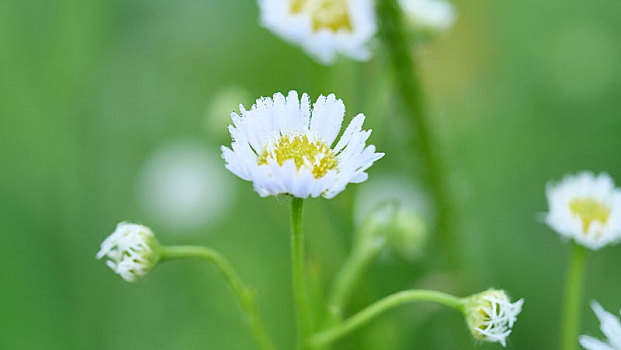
[(131, 249), (437, 15), (491, 315), (284, 147), (586, 208), (610, 326), (323, 28)]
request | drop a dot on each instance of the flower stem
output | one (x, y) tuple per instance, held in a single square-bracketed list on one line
[(348, 276), (409, 88), (245, 295), (300, 288), (387, 303), (573, 296)]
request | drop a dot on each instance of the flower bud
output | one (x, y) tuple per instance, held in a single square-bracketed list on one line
[(132, 251), (490, 315), (401, 228)]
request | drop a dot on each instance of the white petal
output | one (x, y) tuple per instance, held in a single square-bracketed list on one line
[(609, 324), (327, 117), (354, 126), (591, 343)]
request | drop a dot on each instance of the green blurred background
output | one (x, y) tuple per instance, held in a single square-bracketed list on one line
[(92, 91)]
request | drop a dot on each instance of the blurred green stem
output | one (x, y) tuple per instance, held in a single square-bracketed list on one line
[(409, 88), (245, 295), (389, 302), (573, 296), (347, 277), (300, 287)]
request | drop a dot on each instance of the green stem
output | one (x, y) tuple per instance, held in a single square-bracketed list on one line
[(300, 288), (381, 306), (245, 296), (573, 296), (348, 276), (409, 88)]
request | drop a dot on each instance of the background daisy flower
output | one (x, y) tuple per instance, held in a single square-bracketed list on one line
[(323, 28), (437, 15), (585, 208)]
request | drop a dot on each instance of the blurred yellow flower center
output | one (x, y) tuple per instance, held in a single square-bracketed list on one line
[(589, 210), (315, 155), (325, 14)]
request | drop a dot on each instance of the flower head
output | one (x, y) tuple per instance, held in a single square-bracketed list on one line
[(132, 251), (586, 208), (490, 315), (284, 147), (323, 28), (434, 15), (610, 326)]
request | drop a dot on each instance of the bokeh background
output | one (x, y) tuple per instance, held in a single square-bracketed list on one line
[(115, 110)]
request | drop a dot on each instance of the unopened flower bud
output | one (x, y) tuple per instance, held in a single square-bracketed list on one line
[(491, 315), (132, 251)]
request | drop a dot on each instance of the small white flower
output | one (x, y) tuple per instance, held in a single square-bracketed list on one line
[(183, 187), (437, 15), (610, 326), (323, 28), (491, 315), (284, 147), (131, 249), (586, 208)]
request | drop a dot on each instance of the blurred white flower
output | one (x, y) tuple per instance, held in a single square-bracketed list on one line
[(397, 188), (392, 206), (323, 28), (610, 326), (131, 250), (491, 315), (183, 186), (285, 147), (436, 15), (219, 108), (585, 208)]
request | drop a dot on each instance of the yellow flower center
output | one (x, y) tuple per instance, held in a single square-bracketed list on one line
[(325, 14), (315, 155), (589, 210)]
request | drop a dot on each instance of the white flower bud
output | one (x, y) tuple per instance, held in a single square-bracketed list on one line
[(490, 315), (131, 250)]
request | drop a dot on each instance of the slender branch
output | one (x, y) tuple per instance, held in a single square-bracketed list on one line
[(385, 304), (573, 296), (300, 287), (409, 89), (347, 277), (245, 296)]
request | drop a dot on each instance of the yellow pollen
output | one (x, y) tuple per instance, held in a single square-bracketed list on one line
[(589, 210), (325, 14), (304, 152)]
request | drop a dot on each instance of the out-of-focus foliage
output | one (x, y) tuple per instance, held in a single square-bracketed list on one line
[(520, 92)]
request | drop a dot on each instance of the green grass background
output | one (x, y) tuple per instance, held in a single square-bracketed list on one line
[(520, 92)]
